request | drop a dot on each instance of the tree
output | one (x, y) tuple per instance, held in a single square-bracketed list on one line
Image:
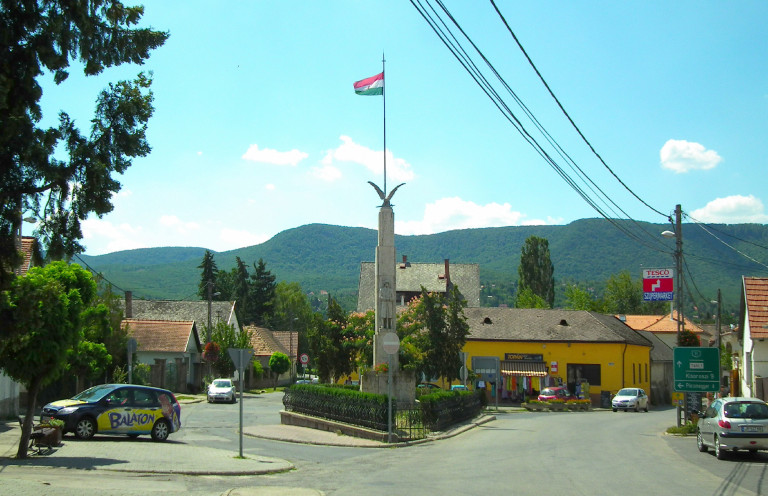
[(208, 276), (262, 294), (622, 295), (224, 337), (434, 331), (57, 173), (332, 343), (292, 312), (279, 364), (535, 271), (40, 322), (527, 299)]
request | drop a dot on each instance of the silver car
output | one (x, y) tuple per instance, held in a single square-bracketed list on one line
[(732, 424), (221, 390), (630, 399)]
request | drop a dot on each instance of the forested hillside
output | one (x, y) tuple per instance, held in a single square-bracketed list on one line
[(324, 257)]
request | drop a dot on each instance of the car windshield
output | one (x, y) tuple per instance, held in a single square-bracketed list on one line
[(94, 394), (747, 410), (222, 383), (548, 392), (627, 392)]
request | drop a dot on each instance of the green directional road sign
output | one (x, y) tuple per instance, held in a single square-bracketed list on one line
[(696, 369)]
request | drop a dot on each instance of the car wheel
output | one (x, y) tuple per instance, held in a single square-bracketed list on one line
[(233, 400), (161, 430), (719, 451), (615, 410), (85, 428), (637, 407), (700, 442), (646, 408)]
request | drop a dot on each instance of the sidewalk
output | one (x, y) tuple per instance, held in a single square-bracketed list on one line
[(142, 455)]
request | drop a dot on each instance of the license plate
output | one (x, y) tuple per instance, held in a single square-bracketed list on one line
[(751, 428)]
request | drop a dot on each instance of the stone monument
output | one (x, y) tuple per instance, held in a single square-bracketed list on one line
[(385, 312)]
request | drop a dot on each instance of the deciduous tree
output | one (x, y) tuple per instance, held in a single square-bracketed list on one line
[(536, 271), (40, 323), (278, 364)]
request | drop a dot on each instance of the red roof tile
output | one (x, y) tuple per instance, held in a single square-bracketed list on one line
[(756, 296), (264, 342), (660, 324), (161, 335)]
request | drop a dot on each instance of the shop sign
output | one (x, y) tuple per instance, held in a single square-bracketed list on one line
[(553, 367), (526, 357), (658, 284)]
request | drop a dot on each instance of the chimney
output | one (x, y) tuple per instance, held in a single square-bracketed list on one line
[(405, 263), (129, 304), (448, 283)]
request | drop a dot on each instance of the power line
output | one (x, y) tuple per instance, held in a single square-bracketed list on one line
[(451, 42), (504, 20)]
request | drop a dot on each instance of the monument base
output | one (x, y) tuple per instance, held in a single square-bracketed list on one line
[(403, 386)]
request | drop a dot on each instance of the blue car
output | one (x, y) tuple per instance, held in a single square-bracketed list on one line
[(117, 409)]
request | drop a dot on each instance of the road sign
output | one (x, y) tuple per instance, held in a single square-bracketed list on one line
[(696, 369), (240, 356), (658, 284), (390, 343), (304, 359)]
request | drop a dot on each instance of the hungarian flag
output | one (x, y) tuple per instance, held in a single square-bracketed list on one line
[(373, 85)]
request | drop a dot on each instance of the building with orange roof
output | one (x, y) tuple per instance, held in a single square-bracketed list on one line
[(664, 327), (753, 325), (171, 349)]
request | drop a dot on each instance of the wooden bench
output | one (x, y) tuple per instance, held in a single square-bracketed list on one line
[(41, 438)]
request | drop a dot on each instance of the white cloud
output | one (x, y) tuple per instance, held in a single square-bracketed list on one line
[(454, 213), (269, 187), (270, 156), (682, 156), (734, 209), (326, 173), (231, 239), (349, 151), (181, 227), (101, 236)]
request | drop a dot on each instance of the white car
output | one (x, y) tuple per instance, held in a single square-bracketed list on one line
[(221, 390), (630, 399), (732, 424)]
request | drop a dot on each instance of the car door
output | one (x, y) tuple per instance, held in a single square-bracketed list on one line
[(707, 423), (145, 410), (115, 411), (642, 399)]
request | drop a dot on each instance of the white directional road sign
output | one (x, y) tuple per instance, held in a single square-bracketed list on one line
[(696, 369)]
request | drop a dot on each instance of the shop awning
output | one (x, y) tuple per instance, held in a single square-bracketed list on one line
[(527, 369)]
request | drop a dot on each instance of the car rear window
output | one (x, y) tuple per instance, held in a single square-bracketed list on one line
[(747, 410)]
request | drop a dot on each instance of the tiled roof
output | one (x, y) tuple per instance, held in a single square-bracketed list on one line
[(285, 338), (183, 310), (264, 342), (532, 324), (661, 352), (658, 323), (756, 296), (162, 335), (410, 277)]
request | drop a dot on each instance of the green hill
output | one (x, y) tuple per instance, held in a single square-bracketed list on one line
[(589, 251)]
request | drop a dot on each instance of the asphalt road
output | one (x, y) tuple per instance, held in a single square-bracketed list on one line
[(573, 453)]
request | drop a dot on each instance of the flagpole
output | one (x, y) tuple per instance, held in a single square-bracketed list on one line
[(384, 99)]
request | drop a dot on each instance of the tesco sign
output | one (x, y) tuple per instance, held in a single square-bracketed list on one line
[(658, 284)]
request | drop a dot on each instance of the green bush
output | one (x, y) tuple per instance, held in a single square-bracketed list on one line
[(683, 430)]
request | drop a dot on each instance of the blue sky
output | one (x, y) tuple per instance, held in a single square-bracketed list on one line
[(257, 128)]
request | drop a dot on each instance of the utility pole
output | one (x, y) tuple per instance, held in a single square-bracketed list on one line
[(679, 271)]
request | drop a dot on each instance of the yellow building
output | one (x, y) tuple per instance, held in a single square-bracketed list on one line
[(535, 348)]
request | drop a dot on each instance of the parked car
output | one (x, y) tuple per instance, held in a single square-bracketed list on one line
[(732, 424), (630, 399), (428, 385), (459, 387), (117, 409), (556, 393), (221, 390)]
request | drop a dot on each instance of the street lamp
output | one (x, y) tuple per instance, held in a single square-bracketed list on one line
[(678, 235)]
